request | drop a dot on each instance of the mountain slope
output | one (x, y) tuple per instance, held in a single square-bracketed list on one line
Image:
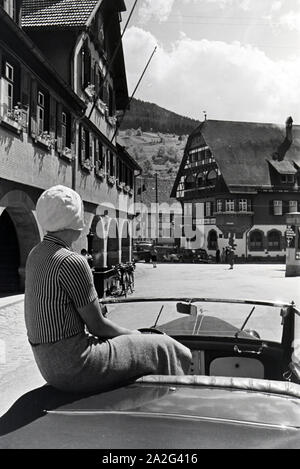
[(152, 118)]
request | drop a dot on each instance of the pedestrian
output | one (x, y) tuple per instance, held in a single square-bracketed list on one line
[(154, 257), (223, 256), (230, 257), (75, 347), (218, 257), (88, 257)]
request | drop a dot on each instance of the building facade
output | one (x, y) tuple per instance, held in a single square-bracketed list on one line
[(157, 215), (62, 88), (237, 181)]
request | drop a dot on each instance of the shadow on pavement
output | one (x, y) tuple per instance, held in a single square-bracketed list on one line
[(32, 405)]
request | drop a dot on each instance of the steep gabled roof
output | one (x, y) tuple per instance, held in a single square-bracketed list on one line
[(242, 150), (58, 13), (146, 190)]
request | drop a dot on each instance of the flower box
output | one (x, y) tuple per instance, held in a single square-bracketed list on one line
[(111, 180), (66, 153), (99, 171), (126, 189), (11, 124), (45, 140), (87, 165), (120, 185)]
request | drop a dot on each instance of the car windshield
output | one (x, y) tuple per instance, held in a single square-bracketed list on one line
[(207, 318)]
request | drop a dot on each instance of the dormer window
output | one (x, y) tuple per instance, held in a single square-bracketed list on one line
[(287, 178)]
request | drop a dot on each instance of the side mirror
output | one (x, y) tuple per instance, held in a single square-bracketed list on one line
[(186, 308)]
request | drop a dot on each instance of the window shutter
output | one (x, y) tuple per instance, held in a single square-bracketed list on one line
[(106, 94), (33, 109), (52, 117), (271, 207), (80, 69), (91, 146), (285, 206), (59, 110), (82, 144), (96, 154), (25, 88), (17, 85), (72, 130)]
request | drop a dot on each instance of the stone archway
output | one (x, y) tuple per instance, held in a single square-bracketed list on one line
[(113, 250), (9, 255), (18, 219), (125, 243), (98, 242), (212, 240)]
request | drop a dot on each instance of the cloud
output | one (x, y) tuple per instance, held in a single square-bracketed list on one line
[(157, 9), (291, 20), (229, 81)]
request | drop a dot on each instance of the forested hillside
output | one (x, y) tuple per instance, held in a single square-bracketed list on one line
[(151, 118)]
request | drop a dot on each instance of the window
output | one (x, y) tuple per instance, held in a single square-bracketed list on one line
[(86, 146), (243, 205), (41, 112), (293, 206), (229, 205), (98, 153), (277, 206), (9, 75), (287, 178), (256, 240), (86, 67), (274, 240), (64, 129), (212, 178), (208, 209), (110, 101), (219, 205), (189, 182), (112, 160), (200, 180)]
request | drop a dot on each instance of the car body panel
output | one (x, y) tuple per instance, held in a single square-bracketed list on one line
[(200, 410), (165, 416)]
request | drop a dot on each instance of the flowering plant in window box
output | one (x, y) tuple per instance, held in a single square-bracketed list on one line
[(90, 90), (66, 152), (102, 107), (99, 171), (111, 180), (16, 118), (88, 164), (130, 192), (111, 120), (126, 189), (45, 139), (120, 185)]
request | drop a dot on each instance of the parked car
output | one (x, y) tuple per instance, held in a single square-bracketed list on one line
[(242, 390), (142, 251), (194, 256)]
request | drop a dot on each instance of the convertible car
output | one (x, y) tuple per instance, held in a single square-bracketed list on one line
[(242, 390)]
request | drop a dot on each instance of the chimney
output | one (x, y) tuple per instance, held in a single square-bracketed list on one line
[(289, 129), (285, 145)]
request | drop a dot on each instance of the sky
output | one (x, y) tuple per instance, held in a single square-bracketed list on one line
[(231, 59)]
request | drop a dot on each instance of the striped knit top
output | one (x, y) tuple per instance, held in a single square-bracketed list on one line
[(58, 281)]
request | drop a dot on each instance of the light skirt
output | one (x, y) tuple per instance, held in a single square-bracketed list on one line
[(83, 363)]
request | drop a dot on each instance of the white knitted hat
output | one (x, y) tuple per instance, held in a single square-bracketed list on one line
[(60, 208)]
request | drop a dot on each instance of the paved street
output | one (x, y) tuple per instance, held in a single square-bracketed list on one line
[(18, 373)]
